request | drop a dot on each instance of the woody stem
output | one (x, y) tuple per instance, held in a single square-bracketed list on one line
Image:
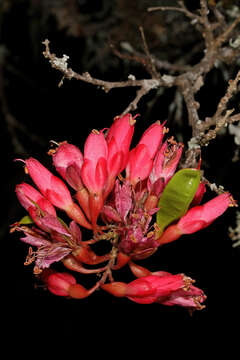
[(112, 260)]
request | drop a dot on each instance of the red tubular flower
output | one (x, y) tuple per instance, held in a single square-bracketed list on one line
[(64, 284), (68, 161), (59, 283), (197, 218), (94, 171), (55, 190), (68, 155), (192, 298), (148, 289), (50, 186), (140, 160), (118, 139), (165, 288), (27, 196)]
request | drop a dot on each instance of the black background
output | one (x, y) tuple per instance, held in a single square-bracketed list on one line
[(69, 113)]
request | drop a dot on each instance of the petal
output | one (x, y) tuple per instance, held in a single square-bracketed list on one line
[(152, 138), (35, 241), (65, 156), (139, 164), (95, 147), (49, 255)]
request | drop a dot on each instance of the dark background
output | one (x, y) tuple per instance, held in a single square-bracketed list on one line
[(35, 111)]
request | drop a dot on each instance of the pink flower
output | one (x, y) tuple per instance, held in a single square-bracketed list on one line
[(28, 196), (55, 190), (118, 139), (191, 299), (50, 186), (54, 241), (148, 289), (165, 288), (165, 163), (140, 160), (59, 283), (94, 171), (68, 161), (64, 284), (197, 218)]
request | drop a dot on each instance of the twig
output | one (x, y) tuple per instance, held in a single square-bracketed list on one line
[(181, 8), (208, 28), (188, 82), (222, 116), (142, 59), (150, 63), (227, 33), (145, 84), (232, 88), (188, 91)]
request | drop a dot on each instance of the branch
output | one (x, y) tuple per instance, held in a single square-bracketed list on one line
[(182, 8), (188, 82), (145, 84), (222, 116), (227, 33), (134, 55), (150, 61)]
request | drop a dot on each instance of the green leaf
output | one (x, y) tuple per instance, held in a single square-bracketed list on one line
[(26, 220), (177, 196)]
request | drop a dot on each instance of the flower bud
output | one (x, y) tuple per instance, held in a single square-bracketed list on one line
[(197, 218), (59, 283), (67, 155), (94, 172), (166, 289), (140, 160), (55, 191), (94, 169), (50, 186), (30, 197), (119, 138)]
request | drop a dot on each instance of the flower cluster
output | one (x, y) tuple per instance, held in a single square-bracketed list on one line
[(116, 192)]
